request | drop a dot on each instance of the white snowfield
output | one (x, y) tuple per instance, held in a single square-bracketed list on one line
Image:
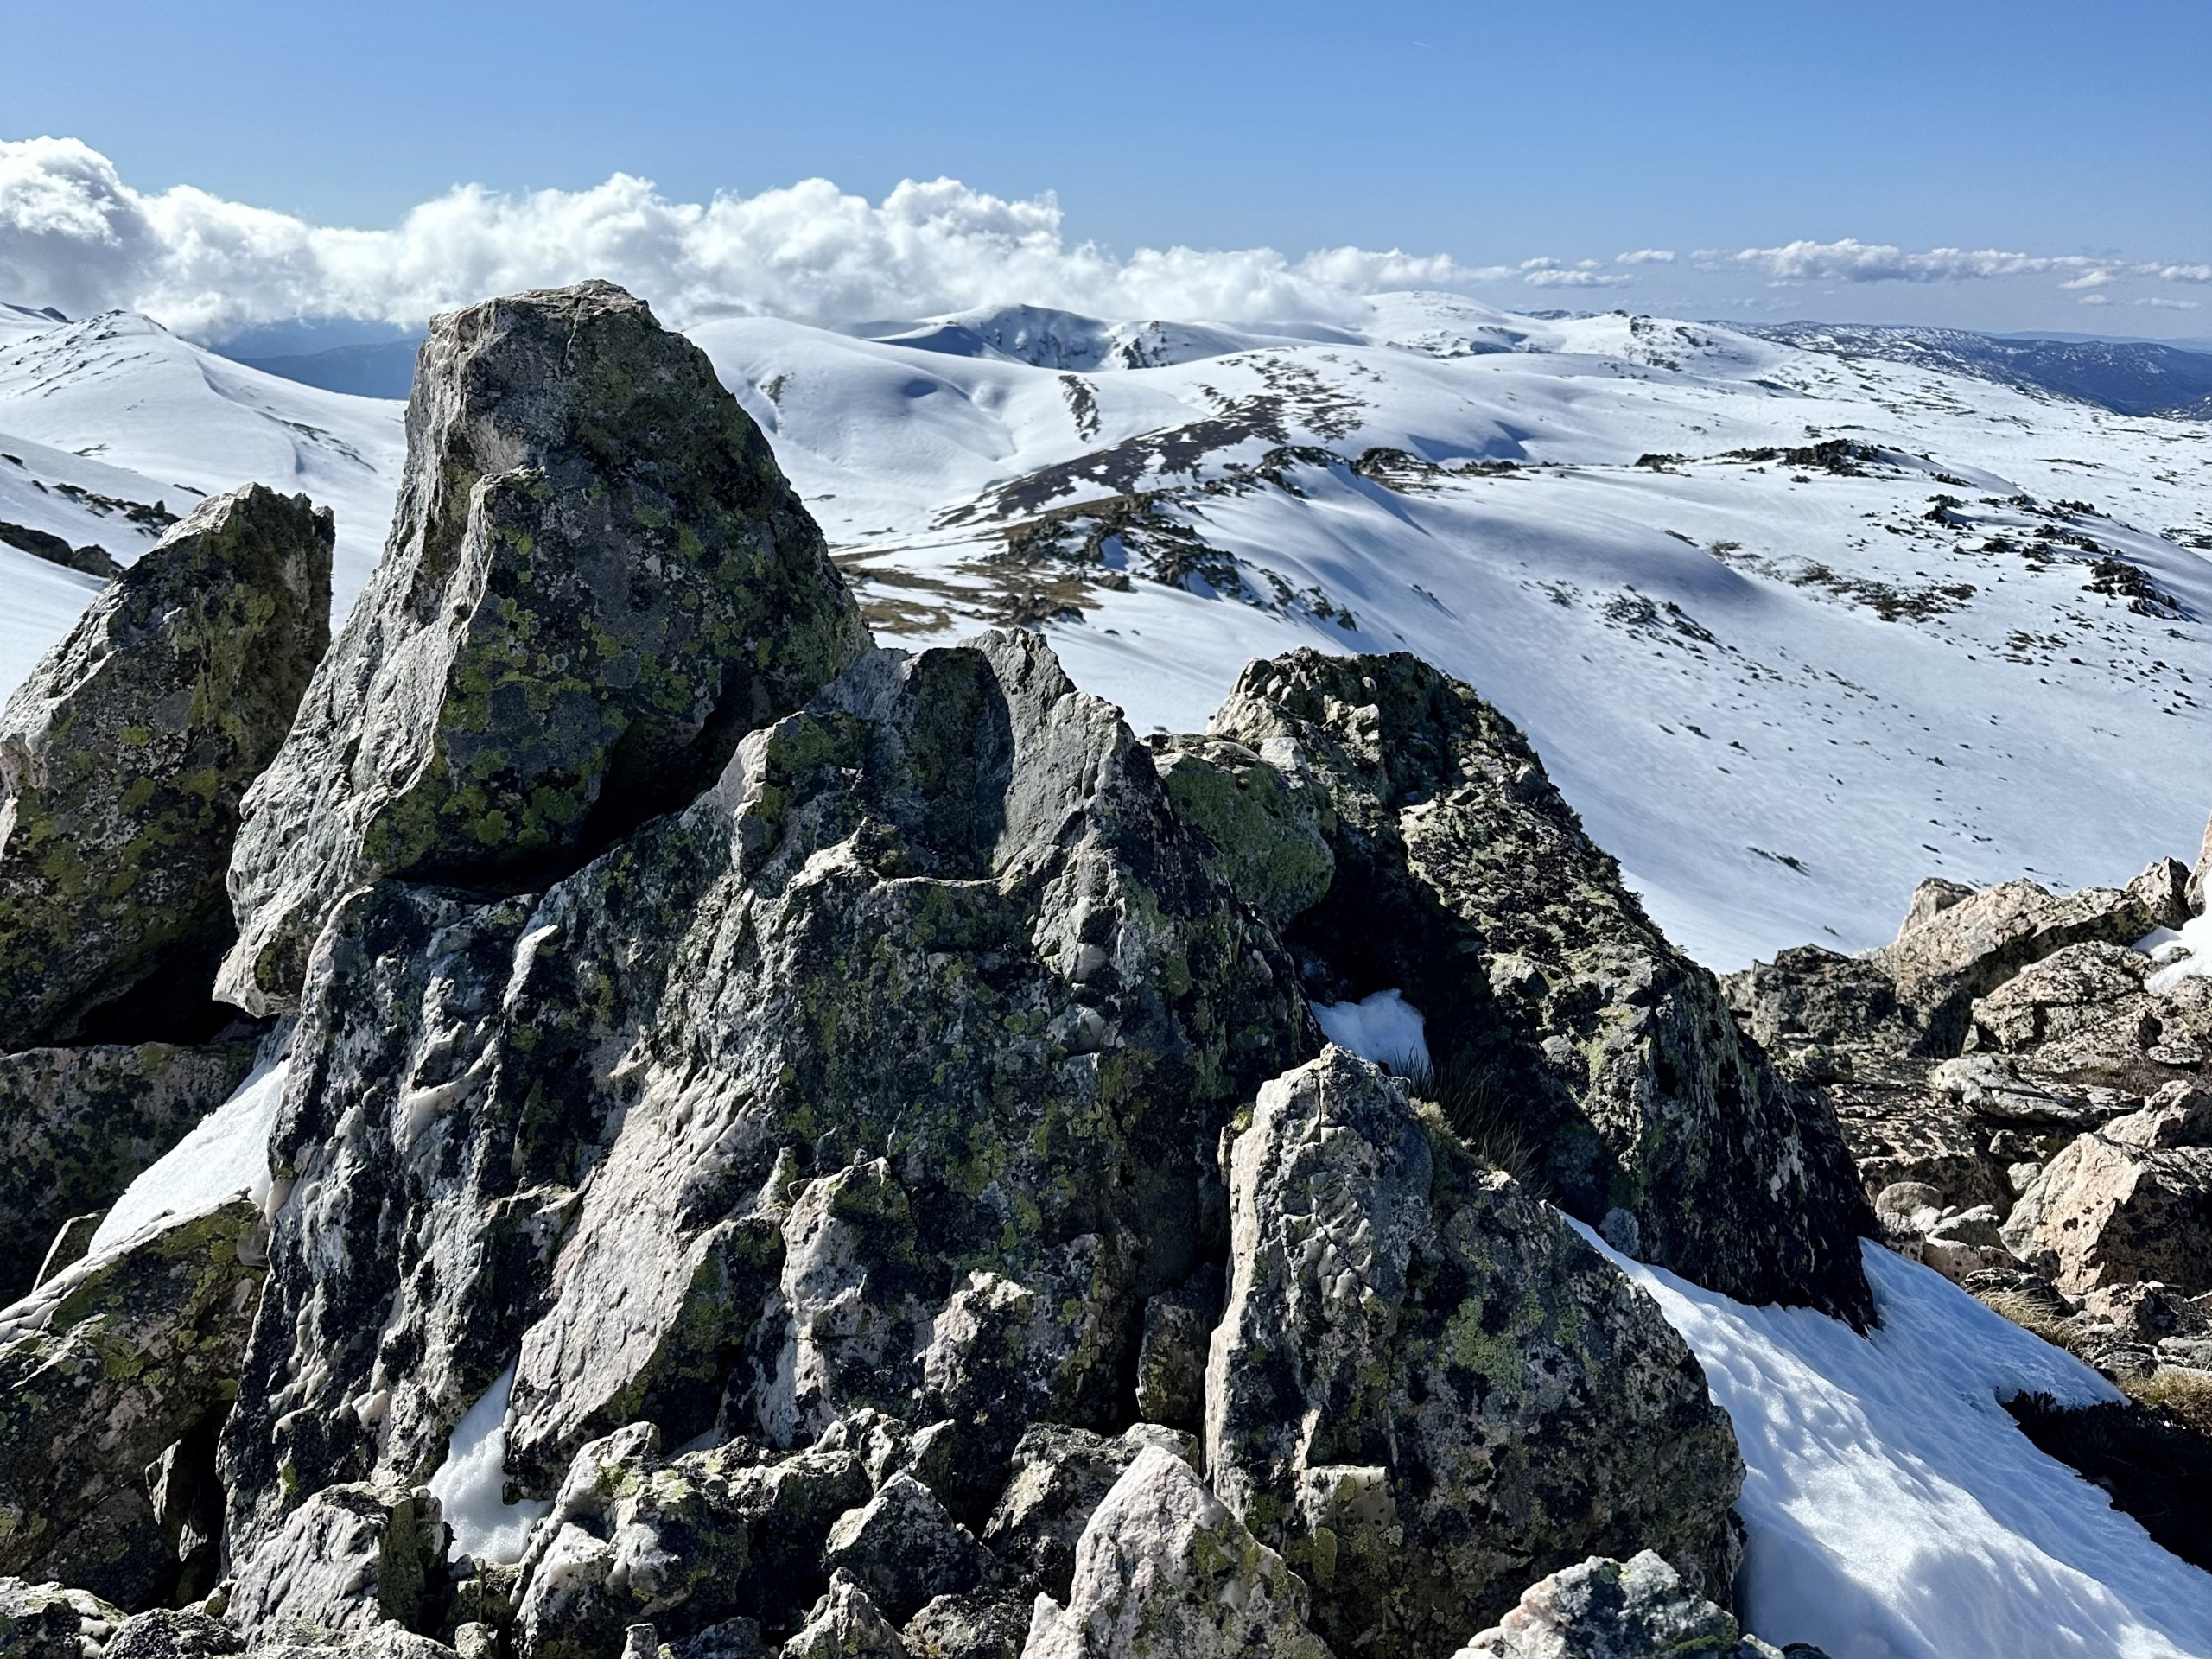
[(1892, 1508)]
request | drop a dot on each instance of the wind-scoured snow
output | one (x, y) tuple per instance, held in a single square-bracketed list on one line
[(471, 1483), (226, 1153), (1892, 1508)]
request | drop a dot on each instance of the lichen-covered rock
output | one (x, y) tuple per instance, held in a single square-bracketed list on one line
[(2069, 991), (1171, 1358), (967, 1627), (123, 759), (2106, 1212), (1463, 880), (1060, 1477), (1426, 1388), (1945, 957), (173, 1633), (347, 1560), (49, 1621), (1266, 822), (903, 1549), (845, 1624), (1165, 1567), (889, 1074), (76, 1124), (102, 1370), (597, 580), (687, 1543), (388, 1640), (1600, 1608)]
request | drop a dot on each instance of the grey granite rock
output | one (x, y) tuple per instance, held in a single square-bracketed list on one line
[(50, 1621), (1427, 1388), (1600, 1608), (123, 761), (346, 1560), (597, 580), (1464, 880)]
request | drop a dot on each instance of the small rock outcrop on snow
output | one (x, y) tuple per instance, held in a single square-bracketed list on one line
[(597, 580), (123, 759), (1410, 1346)]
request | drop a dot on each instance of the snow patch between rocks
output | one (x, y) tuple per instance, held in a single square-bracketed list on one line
[(1894, 1510), (1384, 1028), (471, 1483), (2183, 955), (226, 1152)]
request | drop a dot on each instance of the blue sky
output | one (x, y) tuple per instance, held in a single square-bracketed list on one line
[(1495, 134)]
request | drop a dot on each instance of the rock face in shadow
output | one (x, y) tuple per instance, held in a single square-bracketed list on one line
[(1427, 1389), (76, 1124), (1463, 880), (889, 1074), (123, 760), (597, 580), (104, 1370)]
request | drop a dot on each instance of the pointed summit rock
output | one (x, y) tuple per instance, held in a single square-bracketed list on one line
[(597, 582), (123, 759)]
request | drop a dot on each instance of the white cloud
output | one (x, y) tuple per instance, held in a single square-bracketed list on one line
[(1646, 257), (2164, 304), (2097, 278), (2181, 273), (74, 235), (1557, 273), (2096, 299), (1852, 261)]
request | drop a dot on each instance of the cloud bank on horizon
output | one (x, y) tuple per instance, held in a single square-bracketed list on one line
[(76, 236)]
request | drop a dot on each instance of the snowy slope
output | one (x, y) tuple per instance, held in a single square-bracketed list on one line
[(1779, 690), (117, 405), (1781, 693)]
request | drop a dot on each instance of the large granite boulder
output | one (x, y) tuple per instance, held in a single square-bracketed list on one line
[(1463, 879), (103, 1370), (1060, 1476), (2120, 1207), (597, 580), (123, 759), (77, 1124), (889, 1074), (1427, 1389), (345, 1562), (1600, 1608), (1959, 944), (1166, 1567)]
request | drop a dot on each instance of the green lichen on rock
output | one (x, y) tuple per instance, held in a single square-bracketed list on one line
[(76, 1124), (597, 580), (123, 760), (52, 1621), (1267, 823), (1465, 880), (102, 1370), (1427, 1388)]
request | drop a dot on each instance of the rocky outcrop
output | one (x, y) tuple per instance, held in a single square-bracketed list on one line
[(346, 1560), (1166, 1567), (103, 1370), (1427, 1389), (1637, 1609), (172, 1633), (898, 1063), (597, 582), (90, 560), (2118, 1208), (1955, 946), (967, 1627), (1464, 880), (51, 1621), (904, 1550), (76, 1124), (846, 1623), (1267, 822), (123, 760), (1060, 1476)]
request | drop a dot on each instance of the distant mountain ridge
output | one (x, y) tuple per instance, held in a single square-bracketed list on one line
[(2126, 377)]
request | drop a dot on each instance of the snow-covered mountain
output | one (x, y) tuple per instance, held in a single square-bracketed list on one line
[(1792, 627)]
